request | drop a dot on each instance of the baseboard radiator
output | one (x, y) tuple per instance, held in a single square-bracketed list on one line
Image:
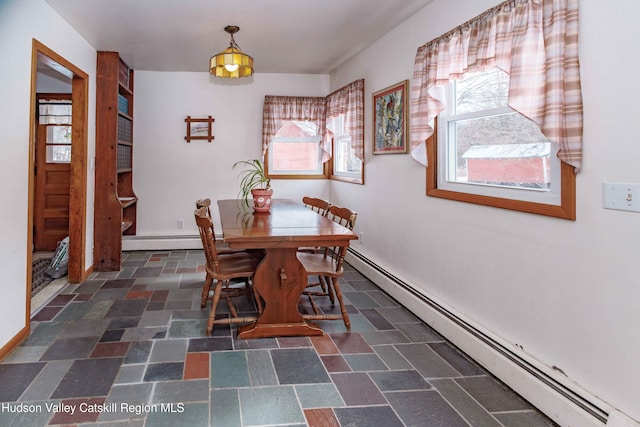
[(545, 387)]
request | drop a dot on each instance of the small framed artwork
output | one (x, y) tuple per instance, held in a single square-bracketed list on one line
[(390, 119), (199, 128)]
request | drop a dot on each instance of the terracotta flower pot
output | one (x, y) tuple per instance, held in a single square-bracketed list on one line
[(262, 199)]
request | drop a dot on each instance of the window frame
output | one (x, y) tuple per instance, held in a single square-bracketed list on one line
[(565, 210), (353, 178)]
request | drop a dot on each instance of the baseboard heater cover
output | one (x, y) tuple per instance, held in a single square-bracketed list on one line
[(585, 408)]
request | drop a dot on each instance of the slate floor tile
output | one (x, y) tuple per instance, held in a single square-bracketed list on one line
[(138, 352), (164, 371), (16, 377), (399, 380), (324, 417), (210, 344), (127, 308), (350, 343), (493, 395), (191, 414), (88, 377), (466, 405), (229, 369), (77, 416), (299, 366), (335, 363), (319, 396), (225, 408), (524, 419), (70, 348), (424, 408), (427, 361), (369, 416), (269, 406), (357, 389), (456, 359)]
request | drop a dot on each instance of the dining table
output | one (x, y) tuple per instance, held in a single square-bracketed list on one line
[(280, 279)]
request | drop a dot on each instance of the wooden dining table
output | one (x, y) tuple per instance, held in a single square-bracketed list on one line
[(280, 279)]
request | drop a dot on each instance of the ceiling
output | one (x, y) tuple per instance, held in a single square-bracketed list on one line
[(282, 36)]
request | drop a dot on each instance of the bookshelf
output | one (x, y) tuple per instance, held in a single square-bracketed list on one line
[(115, 199)]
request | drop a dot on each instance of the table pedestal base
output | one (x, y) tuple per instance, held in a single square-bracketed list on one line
[(280, 280)]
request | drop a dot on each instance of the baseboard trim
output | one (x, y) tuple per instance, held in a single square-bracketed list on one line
[(14, 342), (552, 393), (161, 243)]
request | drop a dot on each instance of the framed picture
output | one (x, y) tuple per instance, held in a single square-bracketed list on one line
[(390, 121), (199, 128)]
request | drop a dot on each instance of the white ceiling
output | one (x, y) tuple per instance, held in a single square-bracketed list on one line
[(282, 36)]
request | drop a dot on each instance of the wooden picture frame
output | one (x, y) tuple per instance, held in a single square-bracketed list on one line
[(199, 128), (390, 119)]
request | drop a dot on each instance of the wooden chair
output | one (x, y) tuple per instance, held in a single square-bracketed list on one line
[(320, 206), (222, 269), (317, 205), (327, 265), (221, 247)]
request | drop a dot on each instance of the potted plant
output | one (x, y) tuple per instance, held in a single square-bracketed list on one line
[(254, 181)]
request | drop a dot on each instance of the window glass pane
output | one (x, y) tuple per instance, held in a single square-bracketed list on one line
[(294, 156), (345, 161), (295, 150), (58, 154), (481, 91), (505, 150), (58, 134)]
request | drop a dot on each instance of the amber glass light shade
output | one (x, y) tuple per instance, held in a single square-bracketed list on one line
[(231, 63)]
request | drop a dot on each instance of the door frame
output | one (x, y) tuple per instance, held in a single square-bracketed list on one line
[(78, 172)]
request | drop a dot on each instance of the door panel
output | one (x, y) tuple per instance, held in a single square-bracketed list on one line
[(51, 207)]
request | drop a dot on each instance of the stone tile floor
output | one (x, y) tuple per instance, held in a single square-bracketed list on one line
[(128, 349)]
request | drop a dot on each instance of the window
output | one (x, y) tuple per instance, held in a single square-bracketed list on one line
[(55, 114), (487, 153), (490, 148), (295, 151), (345, 132), (299, 135), (346, 166), (543, 85)]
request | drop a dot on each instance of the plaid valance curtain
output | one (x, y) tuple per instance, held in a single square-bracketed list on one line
[(278, 109), (349, 100), (536, 43)]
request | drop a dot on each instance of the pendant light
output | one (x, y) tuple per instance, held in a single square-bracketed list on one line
[(231, 63)]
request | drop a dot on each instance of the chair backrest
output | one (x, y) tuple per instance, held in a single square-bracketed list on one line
[(346, 218), (317, 205), (343, 216), (205, 227), (204, 203)]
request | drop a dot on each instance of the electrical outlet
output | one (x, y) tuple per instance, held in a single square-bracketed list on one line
[(361, 237), (180, 223), (621, 196)]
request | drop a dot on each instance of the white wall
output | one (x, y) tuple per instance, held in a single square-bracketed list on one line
[(20, 21), (171, 174), (567, 292)]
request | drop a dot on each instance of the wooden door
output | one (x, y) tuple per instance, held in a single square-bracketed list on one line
[(52, 172)]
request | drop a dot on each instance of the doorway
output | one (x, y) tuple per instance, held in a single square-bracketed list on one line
[(48, 64)]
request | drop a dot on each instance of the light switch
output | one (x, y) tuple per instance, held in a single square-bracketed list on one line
[(621, 196)]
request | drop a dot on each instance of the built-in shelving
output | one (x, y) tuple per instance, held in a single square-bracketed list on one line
[(115, 200)]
